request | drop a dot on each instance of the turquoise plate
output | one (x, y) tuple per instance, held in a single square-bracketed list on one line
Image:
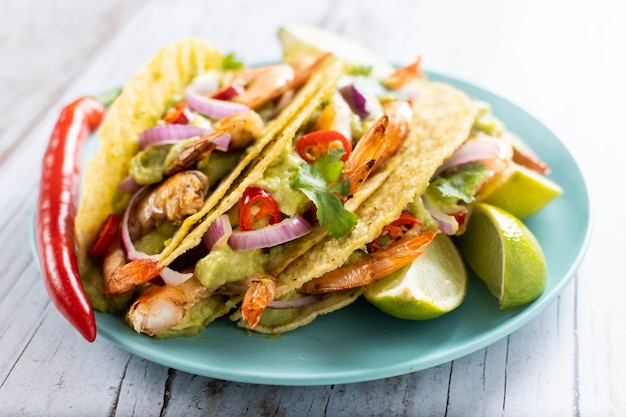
[(359, 343)]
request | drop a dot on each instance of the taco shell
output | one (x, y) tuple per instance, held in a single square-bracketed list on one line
[(443, 117)]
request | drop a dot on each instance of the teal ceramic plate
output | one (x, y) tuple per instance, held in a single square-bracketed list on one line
[(359, 343)]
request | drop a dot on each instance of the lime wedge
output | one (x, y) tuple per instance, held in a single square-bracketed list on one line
[(434, 284), (520, 191), (505, 254), (308, 40)]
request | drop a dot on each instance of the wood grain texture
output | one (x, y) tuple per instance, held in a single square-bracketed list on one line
[(561, 60)]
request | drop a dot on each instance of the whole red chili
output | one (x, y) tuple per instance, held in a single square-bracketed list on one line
[(56, 209)]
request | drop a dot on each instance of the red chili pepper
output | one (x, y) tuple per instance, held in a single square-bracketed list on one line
[(394, 231), (313, 145), (180, 114), (460, 217), (107, 235), (56, 209), (257, 209), (228, 92)]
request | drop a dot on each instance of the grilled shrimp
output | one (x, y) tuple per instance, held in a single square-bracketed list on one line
[(263, 84), (179, 196), (127, 276), (366, 153), (258, 296), (371, 267), (266, 83), (162, 307), (400, 114), (337, 116), (244, 128), (404, 75), (193, 153)]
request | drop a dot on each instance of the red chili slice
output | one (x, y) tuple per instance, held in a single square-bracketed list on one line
[(228, 92), (107, 235), (257, 208), (313, 145), (180, 114), (394, 231)]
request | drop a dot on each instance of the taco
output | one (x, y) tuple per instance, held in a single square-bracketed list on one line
[(381, 143), (459, 153), (339, 190), (187, 125)]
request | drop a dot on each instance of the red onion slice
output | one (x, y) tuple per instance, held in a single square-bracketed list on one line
[(215, 109), (447, 224), (483, 149), (171, 277), (168, 275), (276, 234), (128, 185), (355, 99), (170, 133), (131, 252), (222, 142), (218, 232)]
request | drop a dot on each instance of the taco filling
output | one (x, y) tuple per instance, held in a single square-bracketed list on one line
[(277, 193)]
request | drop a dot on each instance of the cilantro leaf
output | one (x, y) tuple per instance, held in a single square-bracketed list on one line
[(462, 183), (313, 180), (231, 62)]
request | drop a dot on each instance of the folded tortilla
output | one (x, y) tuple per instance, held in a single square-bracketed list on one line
[(443, 118), (155, 88)]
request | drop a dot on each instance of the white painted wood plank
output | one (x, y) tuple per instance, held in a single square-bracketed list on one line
[(61, 374), (560, 364), (144, 389)]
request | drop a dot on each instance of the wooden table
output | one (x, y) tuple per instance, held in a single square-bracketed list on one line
[(563, 61)]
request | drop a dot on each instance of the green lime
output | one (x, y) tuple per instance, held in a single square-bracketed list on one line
[(505, 254), (520, 191), (434, 284), (308, 40)]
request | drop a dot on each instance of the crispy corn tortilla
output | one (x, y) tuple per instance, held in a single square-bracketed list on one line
[(308, 100), (253, 164), (143, 101), (157, 86), (442, 122)]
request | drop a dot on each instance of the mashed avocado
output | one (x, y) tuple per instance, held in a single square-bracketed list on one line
[(218, 164), (223, 265), (153, 242), (148, 166), (278, 179)]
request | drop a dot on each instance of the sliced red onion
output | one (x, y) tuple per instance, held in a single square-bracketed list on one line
[(447, 224), (131, 252), (168, 275), (215, 109), (218, 232), (476, 150), (170, 133), (128, 185), (305, 301), (276, 234), (222, 142), (171, 277), (355, 99)]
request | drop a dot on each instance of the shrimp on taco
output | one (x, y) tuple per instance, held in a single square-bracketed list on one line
[(311, 186), (180, 133)]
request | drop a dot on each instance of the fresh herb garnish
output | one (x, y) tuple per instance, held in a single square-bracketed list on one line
[(462, 183), (319, 180), (231, 62)]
